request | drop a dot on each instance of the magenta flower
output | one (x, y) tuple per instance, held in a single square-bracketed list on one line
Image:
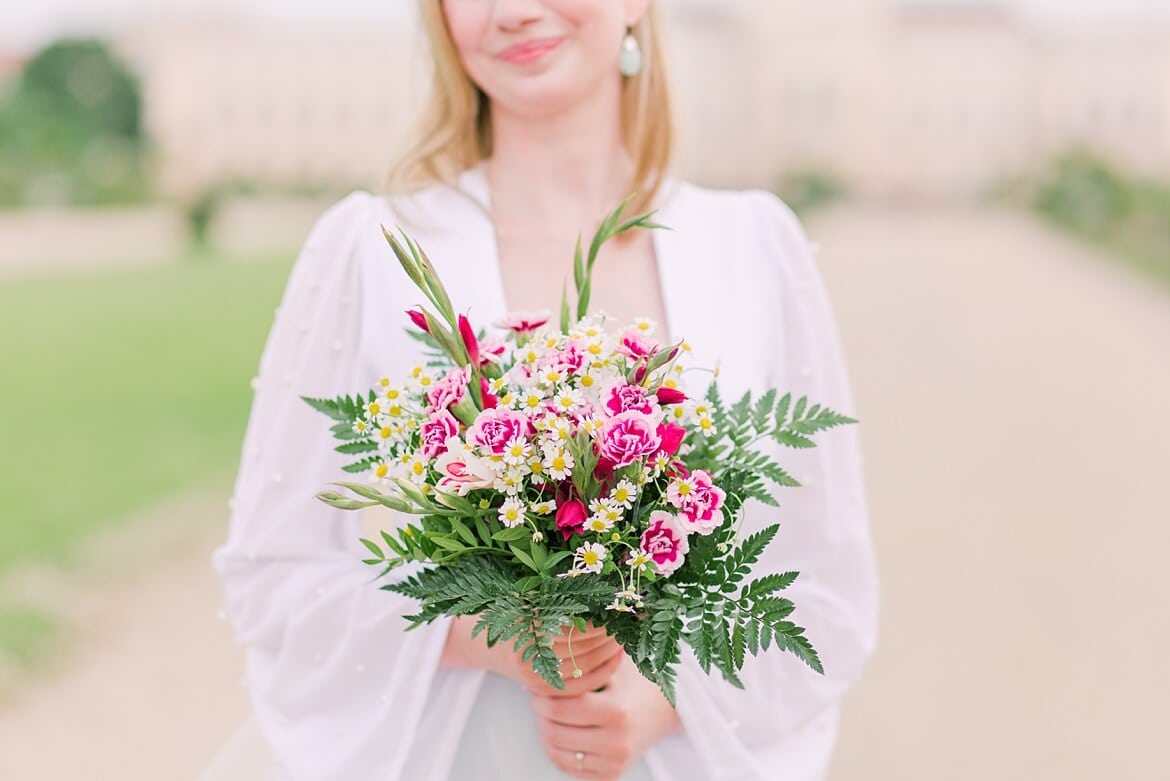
[(448, 391), (701, 507), (665, 542), (623, 397), (435, 432), (494, 429), (571, 516), (627, 437), (469, 340), (672, 436), (419, 319), (667, 396), (635, 345), (490, 400)]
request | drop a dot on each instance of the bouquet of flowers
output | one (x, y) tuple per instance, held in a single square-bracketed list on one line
[(562, 475)]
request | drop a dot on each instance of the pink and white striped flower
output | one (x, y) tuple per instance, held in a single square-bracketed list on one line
[(524, 322), (628, 437), (665, 542)]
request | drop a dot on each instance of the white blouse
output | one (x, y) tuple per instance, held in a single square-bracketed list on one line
[(339, 690)]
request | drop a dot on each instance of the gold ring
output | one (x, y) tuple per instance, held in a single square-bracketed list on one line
[(580, 757)]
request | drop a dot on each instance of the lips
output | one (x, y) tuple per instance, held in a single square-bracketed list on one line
[(529, 51)]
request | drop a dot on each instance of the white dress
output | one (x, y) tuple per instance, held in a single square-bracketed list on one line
[(340, 691)]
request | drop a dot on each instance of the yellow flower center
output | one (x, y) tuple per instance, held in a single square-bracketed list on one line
[(590, 558)]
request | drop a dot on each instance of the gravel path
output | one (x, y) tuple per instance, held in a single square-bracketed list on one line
[(1013, 389)]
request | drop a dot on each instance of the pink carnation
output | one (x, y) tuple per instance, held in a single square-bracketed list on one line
[(627, 437), (435, 432), (523, 322), (623, 397), (494, 428), (635, 344), (701, 508), (450, 390), (665, 542)]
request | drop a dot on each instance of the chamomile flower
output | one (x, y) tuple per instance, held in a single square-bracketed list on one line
[(567, 400), (551, 376), (659, 462), (680, 490), (592, 424), (590, 557), (416, 468), (375, 410), (544, 508), (559, 429), (421, 378), (381, 471), (706, 425), (512, 512), (645, 325), (599, 524), (627, 601), (558, 462), (392, 394), (517, 451), (511, 480), (362, 427), (639, 560), (624, 494), (531, 401)]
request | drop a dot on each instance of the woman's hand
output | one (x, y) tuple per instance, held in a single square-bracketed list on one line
[(608, 730), (597, 655)]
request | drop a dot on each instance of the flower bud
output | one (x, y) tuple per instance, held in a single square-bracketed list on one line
[(419, 319)]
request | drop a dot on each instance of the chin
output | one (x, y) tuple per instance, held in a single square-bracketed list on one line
[(545, 94)]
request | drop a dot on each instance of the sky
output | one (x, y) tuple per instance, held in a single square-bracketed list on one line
[(24, 26)]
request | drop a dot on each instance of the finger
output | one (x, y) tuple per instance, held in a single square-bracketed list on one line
[(590, 659), (566, 762), (582, 642), (593, 766), (585, 710), (588, 682)]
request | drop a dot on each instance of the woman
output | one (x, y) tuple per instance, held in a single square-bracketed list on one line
[(546, 113)]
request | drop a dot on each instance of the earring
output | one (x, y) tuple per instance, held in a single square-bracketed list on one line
[(631, 60)]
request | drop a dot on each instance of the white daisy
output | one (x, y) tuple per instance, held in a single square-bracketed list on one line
[(512, 512), (590, 557)]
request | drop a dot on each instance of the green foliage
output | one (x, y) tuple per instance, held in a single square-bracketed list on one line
[(71, 130), (611, 227), (806, 190), (487, 587), (1126, 215)]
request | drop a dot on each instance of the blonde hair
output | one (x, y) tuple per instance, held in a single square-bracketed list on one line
[(454, 132)]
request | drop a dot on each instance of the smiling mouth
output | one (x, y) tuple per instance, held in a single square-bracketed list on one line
[(530, 51)]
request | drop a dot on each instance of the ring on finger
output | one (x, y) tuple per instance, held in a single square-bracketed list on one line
[(579, 758)]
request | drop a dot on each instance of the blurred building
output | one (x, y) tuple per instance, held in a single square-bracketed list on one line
[(893, 98)]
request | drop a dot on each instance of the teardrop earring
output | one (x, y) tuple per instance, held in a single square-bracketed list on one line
[(631, 59)]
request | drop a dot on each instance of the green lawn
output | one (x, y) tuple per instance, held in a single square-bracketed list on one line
[(119, 389)]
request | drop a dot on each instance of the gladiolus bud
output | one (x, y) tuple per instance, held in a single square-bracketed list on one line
[(469, 340), (670, 396), (419, 319), (490, 400)]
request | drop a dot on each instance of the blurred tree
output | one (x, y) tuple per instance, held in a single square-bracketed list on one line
[(71, 129)]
